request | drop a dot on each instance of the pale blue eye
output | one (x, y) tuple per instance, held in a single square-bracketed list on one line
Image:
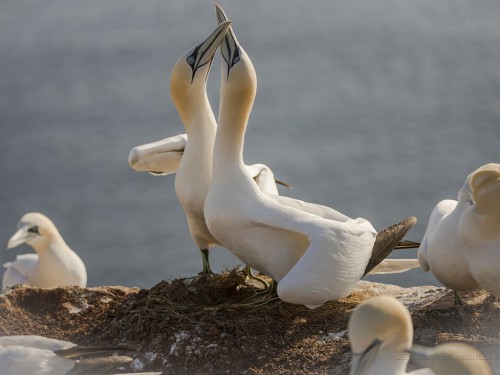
[(236, 59), (190, 60)]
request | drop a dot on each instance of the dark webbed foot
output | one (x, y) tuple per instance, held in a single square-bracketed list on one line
[(251, 277)]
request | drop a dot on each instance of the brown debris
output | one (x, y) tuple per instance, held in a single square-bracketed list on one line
[(197, 327)]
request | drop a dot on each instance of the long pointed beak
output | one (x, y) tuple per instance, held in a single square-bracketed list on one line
[(205, 51), (361, 361), (19, 238), (420, 353), (230, 48)]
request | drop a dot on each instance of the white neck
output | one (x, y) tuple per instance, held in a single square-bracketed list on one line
[(234, 111)]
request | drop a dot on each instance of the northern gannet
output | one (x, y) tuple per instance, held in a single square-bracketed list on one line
[(381, 334), (192, 161), (479, 228), (54, 263), (315, 253), (441, 249), (35, 355)]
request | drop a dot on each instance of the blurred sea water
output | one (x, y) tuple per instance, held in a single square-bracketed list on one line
[(379, 109)]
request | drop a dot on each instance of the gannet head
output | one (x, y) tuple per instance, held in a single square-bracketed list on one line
[(238, 77), (485, 188), (451, 358), (190, 73), (380, 324), (33, 228)]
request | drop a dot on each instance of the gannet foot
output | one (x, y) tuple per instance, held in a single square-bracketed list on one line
[(387, 240), (268, 295), (458, 301), (206, 264), (251, 277)]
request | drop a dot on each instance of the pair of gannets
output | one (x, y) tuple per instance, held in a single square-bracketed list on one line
[(461, 245), (315, 252), (192, 161), (36, 355), (54, 263), (381, 334)]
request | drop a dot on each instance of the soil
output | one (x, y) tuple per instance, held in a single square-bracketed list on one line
[(201, 326)]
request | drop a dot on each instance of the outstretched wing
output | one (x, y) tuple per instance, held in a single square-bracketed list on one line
[(160, 157), (19, 271)]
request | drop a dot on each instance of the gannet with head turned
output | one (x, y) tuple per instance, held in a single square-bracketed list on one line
[(35, 355), (381, 333), (316, 254), (441, 249), (479, 228), (54, 263), (192, 161)]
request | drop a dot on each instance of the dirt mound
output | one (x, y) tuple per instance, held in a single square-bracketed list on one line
[(197, 327)]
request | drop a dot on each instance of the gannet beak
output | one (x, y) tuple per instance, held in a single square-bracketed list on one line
[(204, 52), (361, 361), (19, 238), (421, 354), (230, 47)]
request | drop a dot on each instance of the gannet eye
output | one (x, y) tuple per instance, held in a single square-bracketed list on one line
[(34, 229), (190, 60), (236, 59)]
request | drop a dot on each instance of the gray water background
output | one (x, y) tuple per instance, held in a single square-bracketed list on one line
[(377, 108)]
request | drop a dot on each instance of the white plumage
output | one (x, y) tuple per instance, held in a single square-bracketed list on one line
[(479, 228), (441, 249), (192, 160), (54, 263), (315, 253), (381, 334)]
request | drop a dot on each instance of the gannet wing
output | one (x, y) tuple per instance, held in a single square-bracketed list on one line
[(319, 210), (160, 157), (333, 262), (441, 210), (19, 271), (388, 266), (264, 177), (97, 366)]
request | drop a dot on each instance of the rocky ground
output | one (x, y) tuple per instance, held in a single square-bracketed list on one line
[(199, 328)]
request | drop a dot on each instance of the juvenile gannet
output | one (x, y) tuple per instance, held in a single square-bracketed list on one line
[(35, 355), (54, 263), (315, 253), (479, 228), (381, 333), (192, 161), (441, 249), (452, 359)]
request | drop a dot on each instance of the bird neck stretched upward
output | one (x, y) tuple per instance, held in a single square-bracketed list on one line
[(237, 97)]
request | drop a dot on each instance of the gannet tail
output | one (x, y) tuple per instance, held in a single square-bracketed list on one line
[(387, 240)]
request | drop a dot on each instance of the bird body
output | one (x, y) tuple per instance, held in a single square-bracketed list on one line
[(479, 228), (441, 249), (314, 259), (35, 355), (54, 264), (190, 155)]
